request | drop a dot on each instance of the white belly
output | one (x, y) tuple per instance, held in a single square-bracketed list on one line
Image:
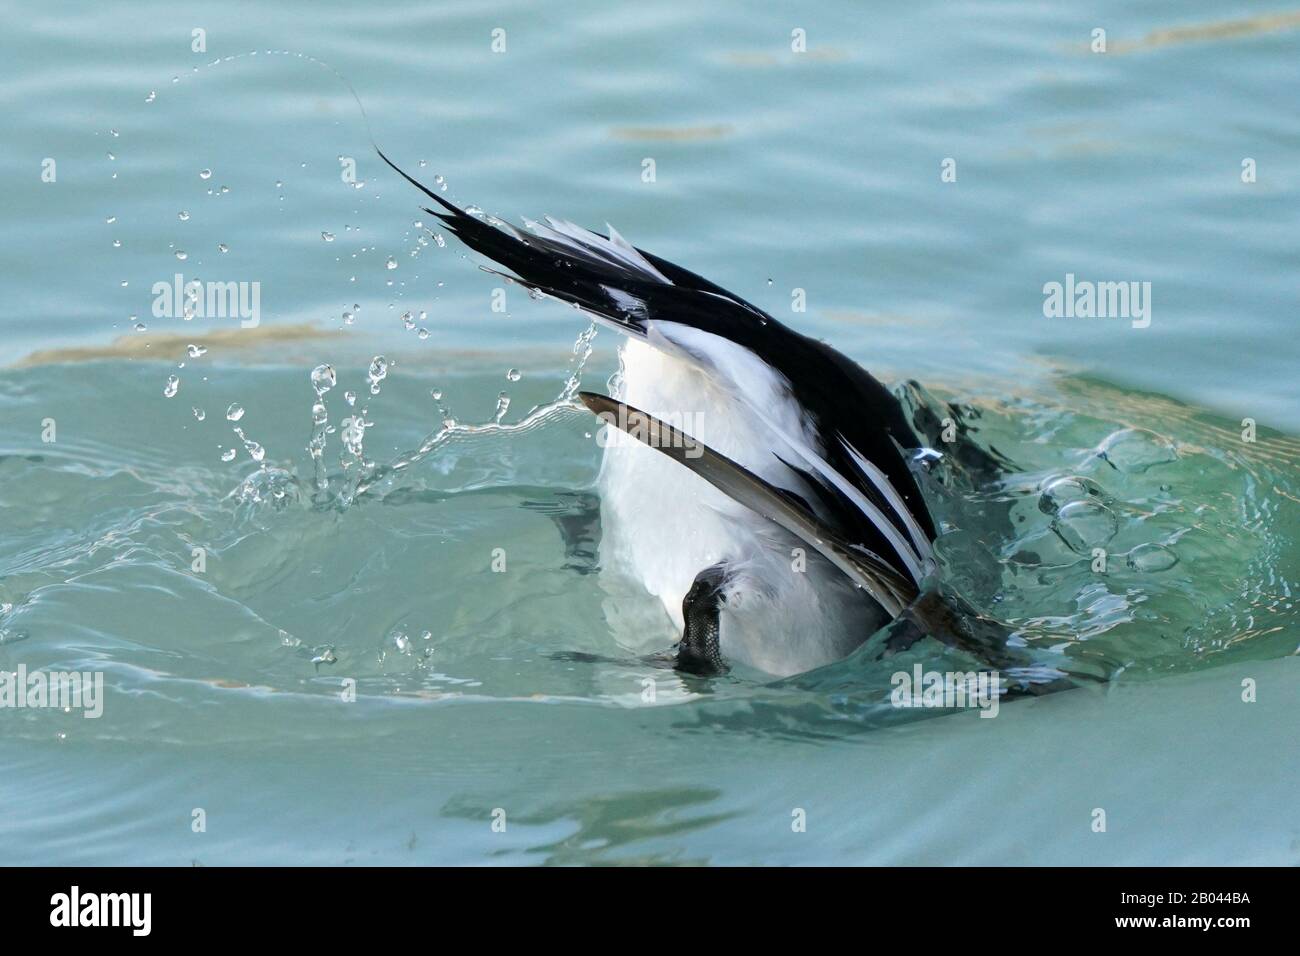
[(787, 610)]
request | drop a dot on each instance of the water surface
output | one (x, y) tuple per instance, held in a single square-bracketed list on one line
[(785, 176)]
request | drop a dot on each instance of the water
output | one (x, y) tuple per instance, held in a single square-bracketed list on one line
[(443, 452)]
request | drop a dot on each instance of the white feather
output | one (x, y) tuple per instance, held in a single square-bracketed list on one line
[(663, 525), (767, 396)]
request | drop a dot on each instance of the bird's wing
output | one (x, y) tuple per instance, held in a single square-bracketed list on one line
[(852, 450), (871, 572)]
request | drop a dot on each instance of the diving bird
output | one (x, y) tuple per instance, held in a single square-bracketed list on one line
[(763, 492)]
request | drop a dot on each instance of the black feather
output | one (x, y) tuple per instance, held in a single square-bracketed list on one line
[(841, 398)]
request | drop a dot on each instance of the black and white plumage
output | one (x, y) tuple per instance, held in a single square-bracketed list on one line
[(823, 440)]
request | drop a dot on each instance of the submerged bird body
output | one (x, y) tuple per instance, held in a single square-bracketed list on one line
[(799, 530), (785, 609)]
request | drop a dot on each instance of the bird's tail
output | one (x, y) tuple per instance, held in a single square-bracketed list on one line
[(603, 275)]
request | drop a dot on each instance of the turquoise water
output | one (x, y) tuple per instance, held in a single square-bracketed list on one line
[(775, 171)]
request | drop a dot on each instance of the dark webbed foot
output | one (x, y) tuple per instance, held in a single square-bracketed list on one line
[(699, 651)]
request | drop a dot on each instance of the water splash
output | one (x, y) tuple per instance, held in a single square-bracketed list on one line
[(563, 405)]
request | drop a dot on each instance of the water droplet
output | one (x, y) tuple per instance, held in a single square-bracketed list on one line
[(436, 394), (350, 397), (183, 216), (347, 318), (205, 174), (235, 412), (182, 254), (172, 387), (514, 375), (422, 334), (319, 415), (141, 327), (110, 220), (323, 378), (153, 95), (442, 243), (377, 372), (222, 247), (392, 262), (196, 350), (503, 405), (407, 321), (199, 414), (228, 455), (327, 236)]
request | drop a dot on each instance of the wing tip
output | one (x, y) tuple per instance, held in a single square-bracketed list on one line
[(597, 403), (456, 210)]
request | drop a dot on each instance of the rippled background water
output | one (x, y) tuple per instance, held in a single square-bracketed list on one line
[(775, 171)]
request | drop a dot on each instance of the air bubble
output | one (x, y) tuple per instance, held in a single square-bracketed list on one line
[(1084, 525), (1151, 557), (1058, 492), (1134, 450)]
